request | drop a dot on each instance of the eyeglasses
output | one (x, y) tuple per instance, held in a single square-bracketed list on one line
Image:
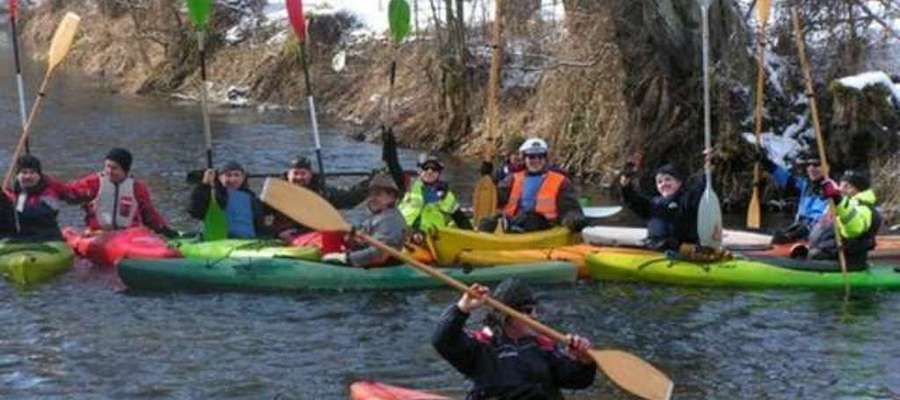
[(536, 156)]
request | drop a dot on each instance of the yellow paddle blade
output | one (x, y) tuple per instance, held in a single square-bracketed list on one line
[(62, 39), (762, 10), (634, 374), (303, 205), (753, 218), (484, 199)]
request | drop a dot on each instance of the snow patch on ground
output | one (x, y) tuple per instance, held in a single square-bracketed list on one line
[(871, 78)]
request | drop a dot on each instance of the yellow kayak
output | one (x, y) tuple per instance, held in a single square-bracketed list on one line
[(449, 243), (573, 253)]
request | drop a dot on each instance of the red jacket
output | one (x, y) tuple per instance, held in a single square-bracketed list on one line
[(86, 190)]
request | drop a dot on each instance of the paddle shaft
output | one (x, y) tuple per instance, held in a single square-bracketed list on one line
[(20, 85), (27, 129), (204, 106), (707, 119), (533, 324), (820, 140), (312, 113), (753, 212)]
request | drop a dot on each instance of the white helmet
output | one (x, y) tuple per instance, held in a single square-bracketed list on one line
[(534, 146)]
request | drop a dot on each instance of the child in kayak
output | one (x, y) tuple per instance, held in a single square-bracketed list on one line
[(506, 360), (672, 214), (33, 203), (429, 203), (243, 210), (384, 223), (538, 198), (859, 221), (113, 199)]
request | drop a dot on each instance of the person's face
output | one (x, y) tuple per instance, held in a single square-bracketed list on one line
[(430, 173), (814, 171), (114, 171), (535, 162), (28, 178), (380, 199), (517, 329), (847, 189), (232, 179), (516, 158), (300, 176), (667, 185)]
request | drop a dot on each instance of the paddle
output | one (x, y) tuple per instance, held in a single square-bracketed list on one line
[(215, 222), (398, 21), (709, 216), (484, 198), (762, 13), (14, 38), (820, 140), (628, 371), (295, 14), (59, 47)]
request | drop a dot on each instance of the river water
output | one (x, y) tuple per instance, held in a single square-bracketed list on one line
[(76, 337)]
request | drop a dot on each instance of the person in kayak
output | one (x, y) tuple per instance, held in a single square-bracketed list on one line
[(858, 216), (113, 199), (506, 359), (537, 198), (384, 222), (512, 163), (33, 203), (244, 212), (671, 215), (811, 205), (429, 203)]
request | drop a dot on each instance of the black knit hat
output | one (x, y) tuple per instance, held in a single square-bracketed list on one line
[(121, 157), (859, 179), (513, 293), (232, 166), (671, 170), (28, 161), (301, 162)]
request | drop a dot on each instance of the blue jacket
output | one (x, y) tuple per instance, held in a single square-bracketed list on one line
[(812, 204)]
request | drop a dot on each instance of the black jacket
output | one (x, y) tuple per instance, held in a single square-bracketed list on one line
[(501, 368), (670, 221)]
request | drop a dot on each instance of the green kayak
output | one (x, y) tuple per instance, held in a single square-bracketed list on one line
[(627, 264), (241, 248), (30, 263), (278, 274)]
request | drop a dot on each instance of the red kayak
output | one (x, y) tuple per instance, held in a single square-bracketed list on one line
[(370, 390), (107, 248), (887, 248)]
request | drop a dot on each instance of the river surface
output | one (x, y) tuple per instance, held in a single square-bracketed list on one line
[(77, 338)]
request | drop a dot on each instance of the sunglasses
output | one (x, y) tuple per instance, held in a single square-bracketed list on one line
[(432, 168)]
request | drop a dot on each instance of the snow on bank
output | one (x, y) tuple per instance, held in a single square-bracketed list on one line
[(871, 78)]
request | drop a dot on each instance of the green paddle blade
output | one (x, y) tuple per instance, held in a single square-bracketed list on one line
[(215, 222), (199, 11), (398, 18)]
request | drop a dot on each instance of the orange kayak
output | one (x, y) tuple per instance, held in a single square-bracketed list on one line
[(371, 390), (886, 249)]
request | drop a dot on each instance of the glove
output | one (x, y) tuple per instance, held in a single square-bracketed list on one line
[(335, 258), (487, 168), (830, 190)]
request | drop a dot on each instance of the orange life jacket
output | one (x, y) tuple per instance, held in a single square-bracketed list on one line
[(546, 195)]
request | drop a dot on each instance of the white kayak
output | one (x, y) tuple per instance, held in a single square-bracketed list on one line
[(626, 236)]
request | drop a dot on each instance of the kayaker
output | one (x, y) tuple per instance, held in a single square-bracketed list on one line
[(113, 199), (506, 359), (671, 215), (811, 205), (429, 203), (859, 220), (300, 172), (537, 198), (36, 199), (513, 161), (244, 212), (384, 223)]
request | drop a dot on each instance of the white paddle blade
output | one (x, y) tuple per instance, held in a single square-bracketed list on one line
[(303, 205), (62, 39), (709, 220), (601, 212), (634, 374)]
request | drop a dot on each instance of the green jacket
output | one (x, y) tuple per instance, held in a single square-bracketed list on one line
[(427, 217), (855, 214)]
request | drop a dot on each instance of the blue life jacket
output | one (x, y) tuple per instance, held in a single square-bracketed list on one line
[(239, 211)]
